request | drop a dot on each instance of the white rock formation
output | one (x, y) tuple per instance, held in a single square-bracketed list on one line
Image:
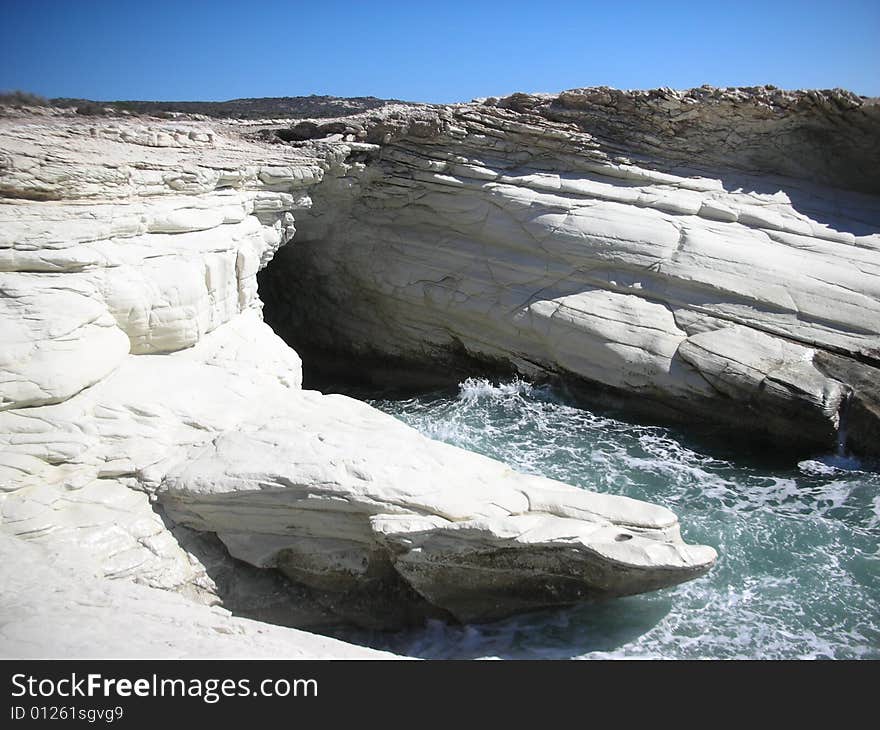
[(614, 238), (54, 607), (142, 394)]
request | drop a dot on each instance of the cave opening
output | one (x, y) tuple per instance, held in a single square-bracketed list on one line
[(329, 362)]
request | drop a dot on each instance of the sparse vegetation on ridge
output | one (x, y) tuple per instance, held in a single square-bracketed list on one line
[(22, 98), (267, 107)]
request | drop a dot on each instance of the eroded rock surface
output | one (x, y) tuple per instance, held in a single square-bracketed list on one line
[(687, 252), (142, 396), (54, 607)]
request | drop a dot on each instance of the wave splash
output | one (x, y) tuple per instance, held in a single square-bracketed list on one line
[(799, 568)]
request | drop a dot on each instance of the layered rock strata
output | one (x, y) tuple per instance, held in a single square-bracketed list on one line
[(143, 398), (693, 254)]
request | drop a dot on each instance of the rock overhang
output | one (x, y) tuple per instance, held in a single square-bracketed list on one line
[(690, 277)]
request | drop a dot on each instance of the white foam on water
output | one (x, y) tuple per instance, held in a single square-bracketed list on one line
[(830, 465), (475, 388), (875, 519), (799, 568)]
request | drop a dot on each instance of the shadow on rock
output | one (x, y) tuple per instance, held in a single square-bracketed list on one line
[(603, 626)]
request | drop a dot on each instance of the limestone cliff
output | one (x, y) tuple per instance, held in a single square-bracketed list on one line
[(690, 254), (154, 432)]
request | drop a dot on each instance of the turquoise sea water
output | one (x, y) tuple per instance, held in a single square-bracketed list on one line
[(799, 540)]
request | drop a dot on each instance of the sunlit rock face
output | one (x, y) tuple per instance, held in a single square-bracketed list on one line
[(154, 431), (686, 253)]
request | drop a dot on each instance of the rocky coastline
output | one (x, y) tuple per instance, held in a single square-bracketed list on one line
[(711, 256)]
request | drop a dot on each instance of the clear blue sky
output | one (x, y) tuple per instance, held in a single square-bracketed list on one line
[(440, 50)]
